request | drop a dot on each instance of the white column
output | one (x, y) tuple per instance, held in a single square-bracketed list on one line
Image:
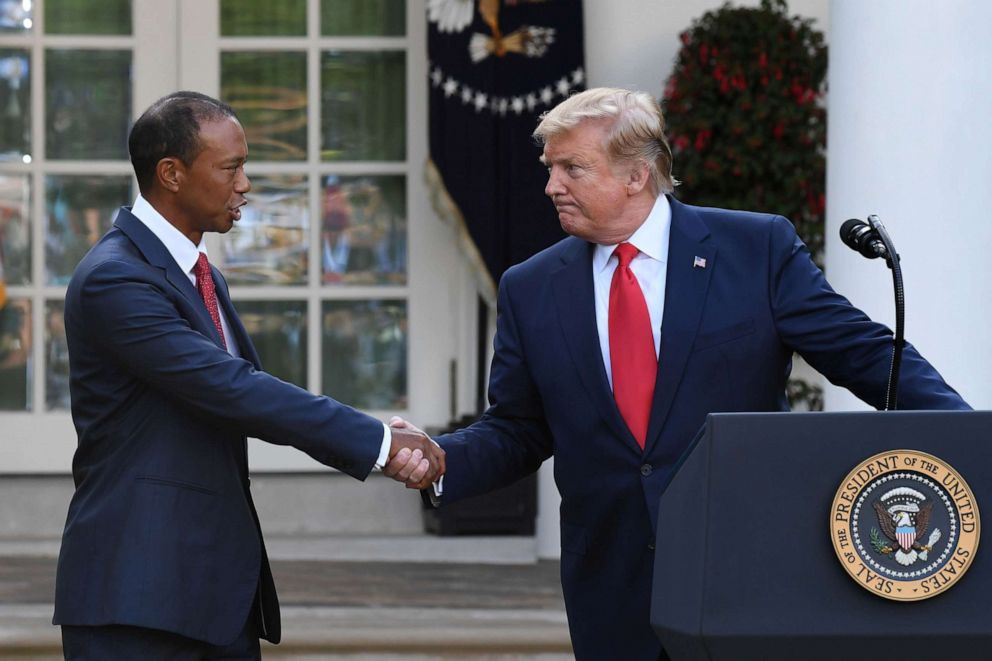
[(910, 99)]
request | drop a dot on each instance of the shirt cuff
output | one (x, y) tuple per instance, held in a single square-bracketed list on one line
[(387, 439)]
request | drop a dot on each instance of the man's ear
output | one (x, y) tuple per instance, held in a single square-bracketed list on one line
[(637, 178), (170, 172)]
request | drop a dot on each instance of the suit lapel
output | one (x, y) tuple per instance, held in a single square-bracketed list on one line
[(245, 345), (685, 296), (158, 255), (575, 301)]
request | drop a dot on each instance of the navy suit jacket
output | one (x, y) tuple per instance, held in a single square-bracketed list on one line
[(161, 531), (727, 339)]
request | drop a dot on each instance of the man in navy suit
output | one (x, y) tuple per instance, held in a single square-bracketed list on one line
[(162, 555), (614, 344)]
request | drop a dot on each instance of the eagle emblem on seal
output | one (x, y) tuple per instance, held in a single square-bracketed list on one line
[(904, 517)]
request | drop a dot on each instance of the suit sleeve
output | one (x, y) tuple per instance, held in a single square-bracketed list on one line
[(838, 339), (135, 324), (512, 438)]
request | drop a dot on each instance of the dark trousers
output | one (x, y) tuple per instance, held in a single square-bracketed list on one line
[(124, 643)]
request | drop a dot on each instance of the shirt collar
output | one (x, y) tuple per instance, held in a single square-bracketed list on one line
[(178, 244), (651, 238)]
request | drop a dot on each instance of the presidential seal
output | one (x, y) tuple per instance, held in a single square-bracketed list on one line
[(905, 525)]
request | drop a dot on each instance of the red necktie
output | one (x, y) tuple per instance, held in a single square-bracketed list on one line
[(632, 358), (205, 285)]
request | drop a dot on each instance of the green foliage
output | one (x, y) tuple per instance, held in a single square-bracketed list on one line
[(87, 17), (362, 17), (744, 114), (879, 544), (242, 18)]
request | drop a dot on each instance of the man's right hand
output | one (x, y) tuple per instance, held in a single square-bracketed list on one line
[(413, 458)]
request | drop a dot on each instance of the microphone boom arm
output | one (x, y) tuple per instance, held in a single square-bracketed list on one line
[(892, 261)]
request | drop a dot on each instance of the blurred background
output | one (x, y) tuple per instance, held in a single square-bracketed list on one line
[(359, 266)]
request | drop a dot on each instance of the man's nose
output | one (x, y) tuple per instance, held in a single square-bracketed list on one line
[(243, 184), (553, 186)]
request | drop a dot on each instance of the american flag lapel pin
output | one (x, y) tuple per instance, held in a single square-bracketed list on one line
[(698, 262)]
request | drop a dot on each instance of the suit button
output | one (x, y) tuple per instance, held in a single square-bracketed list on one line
[(646, 470), (651, 546)]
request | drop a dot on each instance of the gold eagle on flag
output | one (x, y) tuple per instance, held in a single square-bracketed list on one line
[(456, 15)]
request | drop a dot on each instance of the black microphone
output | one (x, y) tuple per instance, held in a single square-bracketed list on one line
[(860, 236)]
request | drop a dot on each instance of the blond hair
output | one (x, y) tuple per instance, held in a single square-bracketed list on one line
[(637, 133)]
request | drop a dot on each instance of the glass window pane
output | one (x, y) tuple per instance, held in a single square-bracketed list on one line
[(15, 355), (363, 106), (88, 96), (268, 246), (15, 105), (88, 17), (79, 210), (362, 17), (269, 92), (15, 229), (278, 329), (364, 353), (56, 357), (16, 16), (363, 230), (245, 18)]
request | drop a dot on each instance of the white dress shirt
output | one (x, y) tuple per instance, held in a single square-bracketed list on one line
[(649, 267), (185, 253)]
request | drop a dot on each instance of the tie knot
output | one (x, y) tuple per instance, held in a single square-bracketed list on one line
[(202, 266), (625, 252)]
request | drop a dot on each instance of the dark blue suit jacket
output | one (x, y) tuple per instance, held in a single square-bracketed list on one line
[(161, 530), (727, 339)]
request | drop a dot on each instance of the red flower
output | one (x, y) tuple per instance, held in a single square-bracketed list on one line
[(763, 60), (702, 139), (681, 142), (671, 89), (779, 130), (801, 94)]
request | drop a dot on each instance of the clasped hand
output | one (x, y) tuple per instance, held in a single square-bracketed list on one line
[(414, 458)]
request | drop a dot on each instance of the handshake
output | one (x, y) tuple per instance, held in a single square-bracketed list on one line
[(414, 458)]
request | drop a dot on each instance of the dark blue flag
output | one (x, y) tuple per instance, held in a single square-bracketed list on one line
[(495, 66)]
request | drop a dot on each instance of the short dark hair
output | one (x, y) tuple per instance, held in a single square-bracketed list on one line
[(171, 127)]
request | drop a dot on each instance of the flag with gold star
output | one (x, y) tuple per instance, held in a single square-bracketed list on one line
[(495, 67)]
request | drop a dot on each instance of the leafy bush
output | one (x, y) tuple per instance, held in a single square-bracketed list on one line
[(745, 118)]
